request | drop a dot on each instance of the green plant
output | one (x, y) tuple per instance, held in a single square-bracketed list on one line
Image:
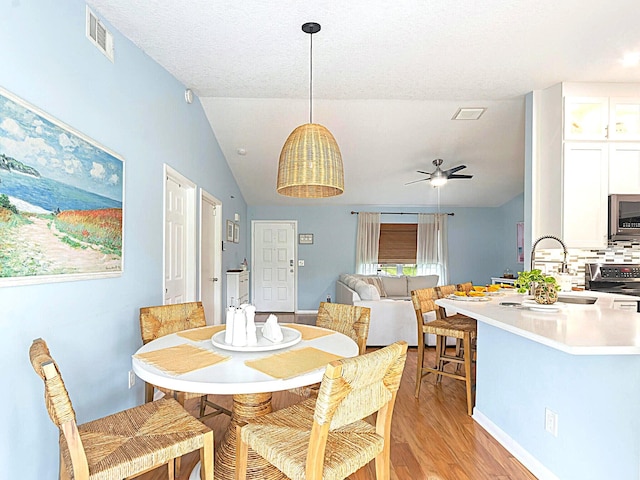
[(528, 280)]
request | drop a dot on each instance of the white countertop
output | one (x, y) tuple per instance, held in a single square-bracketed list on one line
[(577, 329)]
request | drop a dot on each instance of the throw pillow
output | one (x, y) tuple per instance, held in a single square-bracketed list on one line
[(366, 291), (375, 294), (377, 282)]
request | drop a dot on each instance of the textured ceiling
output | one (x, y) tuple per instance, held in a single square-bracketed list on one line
[(387, 78)]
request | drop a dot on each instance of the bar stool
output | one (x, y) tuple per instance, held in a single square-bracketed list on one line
[(444, 291), (459, 327)]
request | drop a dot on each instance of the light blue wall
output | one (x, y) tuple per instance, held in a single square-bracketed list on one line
[(511, 213), (478, 240), (136, 109), (595, 397)]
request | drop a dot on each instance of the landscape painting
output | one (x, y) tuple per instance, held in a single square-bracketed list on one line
[(61, 200)]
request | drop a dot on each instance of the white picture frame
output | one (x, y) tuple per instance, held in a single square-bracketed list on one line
[(236, 233), (229, 231)]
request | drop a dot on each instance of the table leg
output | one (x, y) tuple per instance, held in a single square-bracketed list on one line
[(245, 408)]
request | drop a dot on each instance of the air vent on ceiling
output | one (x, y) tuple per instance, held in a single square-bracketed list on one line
[(99, 35), (466, 113)]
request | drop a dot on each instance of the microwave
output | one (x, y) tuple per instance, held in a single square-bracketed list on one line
[(624, 217)]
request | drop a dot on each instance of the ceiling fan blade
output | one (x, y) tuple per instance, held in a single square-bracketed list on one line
[(416, 181), (454, 170), (460, 176), (424, 173)]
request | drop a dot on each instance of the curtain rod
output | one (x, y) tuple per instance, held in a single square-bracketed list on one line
[(404, 213)]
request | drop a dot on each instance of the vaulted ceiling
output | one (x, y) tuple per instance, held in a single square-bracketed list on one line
[(387, 79)]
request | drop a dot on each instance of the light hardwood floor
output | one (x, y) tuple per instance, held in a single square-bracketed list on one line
[(432, 437)]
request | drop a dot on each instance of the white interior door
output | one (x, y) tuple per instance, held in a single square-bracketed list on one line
[(273, 266), (179, 238), (211, 257)]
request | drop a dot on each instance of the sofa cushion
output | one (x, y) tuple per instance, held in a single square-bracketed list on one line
[(352, 281), (367, 291), (376, 282), (395, 286), (423, 281)]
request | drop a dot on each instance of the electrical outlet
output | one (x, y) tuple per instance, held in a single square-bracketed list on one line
[(132, 378), (551, 422), (301, 263)]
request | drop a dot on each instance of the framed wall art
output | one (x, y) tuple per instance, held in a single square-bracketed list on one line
[(236, 233), (229, 231), (61, 200)]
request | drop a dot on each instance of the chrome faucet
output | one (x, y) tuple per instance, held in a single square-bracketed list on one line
[(563, 268)]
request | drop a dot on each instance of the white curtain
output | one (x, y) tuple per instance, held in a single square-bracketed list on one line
[(367, 243), (432, 257)]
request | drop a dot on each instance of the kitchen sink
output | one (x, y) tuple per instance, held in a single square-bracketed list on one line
[(576, 299)]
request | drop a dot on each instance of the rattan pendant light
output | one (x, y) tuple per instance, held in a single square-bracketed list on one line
[(310, 163)]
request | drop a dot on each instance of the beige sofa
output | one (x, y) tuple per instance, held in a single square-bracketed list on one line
[(389, 298)]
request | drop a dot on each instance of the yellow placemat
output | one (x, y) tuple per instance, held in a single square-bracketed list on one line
[(202, 333), (293, 362), (309, 332), (181, 358)]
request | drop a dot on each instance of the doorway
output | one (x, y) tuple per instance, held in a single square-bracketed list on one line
[(210, 293), (274, 268), (179, 260)]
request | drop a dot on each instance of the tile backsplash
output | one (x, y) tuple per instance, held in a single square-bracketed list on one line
[(549, 260)]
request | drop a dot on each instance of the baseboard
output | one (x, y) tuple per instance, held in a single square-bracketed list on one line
[(513, 447), (306, 312)]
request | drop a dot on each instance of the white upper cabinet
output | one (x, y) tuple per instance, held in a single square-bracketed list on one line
[(624, 168), (602, 118), (585, 145), (584, 196), (624, 119), (586, 118)]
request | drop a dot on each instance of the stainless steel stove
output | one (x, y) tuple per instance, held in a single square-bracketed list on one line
[(621, 278)]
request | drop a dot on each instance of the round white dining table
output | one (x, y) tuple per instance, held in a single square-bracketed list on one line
[(251, 388)]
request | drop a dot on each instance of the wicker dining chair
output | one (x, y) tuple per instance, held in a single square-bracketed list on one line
[(455, 326), (351, 320), (125, 444), (328, 438), (158, 321)]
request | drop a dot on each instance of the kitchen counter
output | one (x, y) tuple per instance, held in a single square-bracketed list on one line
[(597, 329), (579, 366)]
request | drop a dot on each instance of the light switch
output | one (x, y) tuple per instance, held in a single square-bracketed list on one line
[(301, 263)]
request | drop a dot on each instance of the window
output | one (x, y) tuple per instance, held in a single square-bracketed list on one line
[(397, 248), (410, 270)]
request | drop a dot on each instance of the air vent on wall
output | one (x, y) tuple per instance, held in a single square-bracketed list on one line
[(99, 35)]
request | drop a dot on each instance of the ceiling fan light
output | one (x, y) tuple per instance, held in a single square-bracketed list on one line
[(310, 164), (438, 179)]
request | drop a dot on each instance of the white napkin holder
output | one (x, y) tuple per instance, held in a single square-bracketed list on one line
[(271, 330)]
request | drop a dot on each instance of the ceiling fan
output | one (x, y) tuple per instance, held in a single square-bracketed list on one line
[(439, 177)]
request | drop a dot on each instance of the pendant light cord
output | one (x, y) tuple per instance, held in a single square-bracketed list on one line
[(311, 78)]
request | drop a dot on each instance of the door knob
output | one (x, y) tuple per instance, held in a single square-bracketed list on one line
[(214, 279)]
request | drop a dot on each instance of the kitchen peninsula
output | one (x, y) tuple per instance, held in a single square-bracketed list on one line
[(581, 363)]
